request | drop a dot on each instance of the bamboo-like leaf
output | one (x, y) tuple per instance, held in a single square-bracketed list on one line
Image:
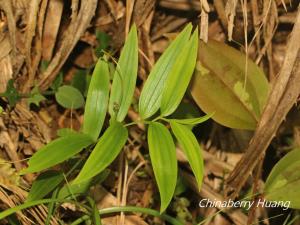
[(151, 94), (57, 151), (73, 190), (218, 86), (191, 148), (181, 73), (70, 190), (284, 180), (164, 162), (44, 184), (62, 132), (106, 150), (124, 78), (97, 100), (192, 121)]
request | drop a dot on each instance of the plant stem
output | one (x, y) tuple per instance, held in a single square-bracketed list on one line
[(86, 217), (81, 219), (157, 118), (118, 209), (130, 124), (151, 212)]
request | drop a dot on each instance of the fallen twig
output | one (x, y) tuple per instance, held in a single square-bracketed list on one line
[(283, 96)]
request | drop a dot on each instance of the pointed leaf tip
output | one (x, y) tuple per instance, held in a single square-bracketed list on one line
[(191, 148), (163, 158), (97, 100), (57, 151), (182, 72), (125, 76), (105, 151), (151, 94)]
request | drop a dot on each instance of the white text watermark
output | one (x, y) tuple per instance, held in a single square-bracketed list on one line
[(207, 203)]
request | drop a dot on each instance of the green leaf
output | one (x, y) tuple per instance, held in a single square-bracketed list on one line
[(181, 74), (57, 151), (106, 150), (218, 86), (186, 110), (192, 121), (44, 184), (151, 94), (62, 132), (97, 100), (11, 93), (70, 189), (124, 78), (36, 97), (284, 180), (69, 97), (163, 158), (51, 207), (95, 215), (191, 148)]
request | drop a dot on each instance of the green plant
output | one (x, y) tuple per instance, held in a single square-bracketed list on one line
[(11, 94), (163, 92), (69, 96), (282, 184), (220, 85)]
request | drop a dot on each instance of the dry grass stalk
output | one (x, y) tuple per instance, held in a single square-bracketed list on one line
[(71, 36), (283, 96), (230, 9), (204, 20)]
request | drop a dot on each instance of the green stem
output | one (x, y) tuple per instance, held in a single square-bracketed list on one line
[(147, 211), (110, 210), (130, 124), (26, 205), (146, 122), (118, 209), (51, 207), (136, 122), (165, 119), (157, 118), (81, 219)]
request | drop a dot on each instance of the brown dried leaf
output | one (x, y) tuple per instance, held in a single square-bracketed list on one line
[(283, 96), (71, 36), (52, 23)]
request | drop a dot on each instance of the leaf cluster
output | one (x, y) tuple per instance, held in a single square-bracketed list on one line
[(164, 90), (221, 87)]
